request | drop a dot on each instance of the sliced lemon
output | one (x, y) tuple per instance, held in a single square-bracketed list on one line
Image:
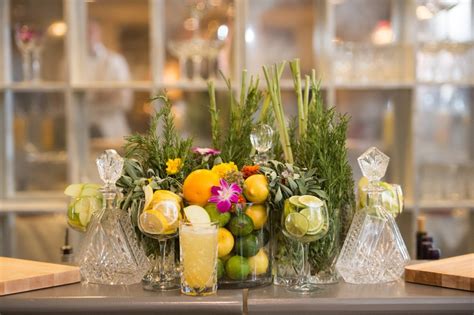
[(294, 200), (296, 224), (315, 220), (310, 201), (148, 191), (197, 215), (153, 222), (169, 210)]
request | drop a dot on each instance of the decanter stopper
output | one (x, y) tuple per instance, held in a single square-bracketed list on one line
[(261, 138), (110, 165), (373, 164)]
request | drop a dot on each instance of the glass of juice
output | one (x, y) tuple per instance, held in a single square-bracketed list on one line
[(198, 257)]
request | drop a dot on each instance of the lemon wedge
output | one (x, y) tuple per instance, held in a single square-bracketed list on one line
[(154, 222)]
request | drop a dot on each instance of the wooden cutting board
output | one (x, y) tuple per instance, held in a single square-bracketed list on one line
[(455, 272), (18, 275)]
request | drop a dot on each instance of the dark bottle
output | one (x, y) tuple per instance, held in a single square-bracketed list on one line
[(66, 250), (420, 233), (434, 253), (425, 248)]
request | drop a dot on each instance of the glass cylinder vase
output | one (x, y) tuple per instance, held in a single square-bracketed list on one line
[(248, 263)]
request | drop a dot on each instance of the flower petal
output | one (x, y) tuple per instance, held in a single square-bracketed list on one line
[(234, 198), (214, 199), (235, 188), (215, 190), (224, 184), (223, 206)]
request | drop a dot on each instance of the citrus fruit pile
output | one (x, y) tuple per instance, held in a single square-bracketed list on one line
[(303, 218), (86, 199)]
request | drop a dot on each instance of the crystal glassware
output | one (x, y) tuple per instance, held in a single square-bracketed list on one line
[(110, 253), (29, 40), (305, 221), (374, 250), (251, 247), (178, 49), (261, 138), (198, 257), (152, 223)]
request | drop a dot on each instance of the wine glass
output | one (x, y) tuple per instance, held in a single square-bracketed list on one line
[(305, 219), (29, 40), (160, 221), (261, 138)]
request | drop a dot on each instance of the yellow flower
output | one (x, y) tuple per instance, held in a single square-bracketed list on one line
[(224, 168), (173, 166)]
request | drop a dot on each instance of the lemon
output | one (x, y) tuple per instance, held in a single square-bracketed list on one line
[(258, 214), (310, 201), (315, 220), (197, 215), (154, 222), (225, 242), (296, 224), (259, 263), (169, 210), (256, 188), (197, 186)]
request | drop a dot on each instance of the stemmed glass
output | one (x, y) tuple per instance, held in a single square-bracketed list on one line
[(160, 222), (261, 138), (305, 219), (29, 40)]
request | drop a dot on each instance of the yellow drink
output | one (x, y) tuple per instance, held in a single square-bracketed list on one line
[(198, 245)]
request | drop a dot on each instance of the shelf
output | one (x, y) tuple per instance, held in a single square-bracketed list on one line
[(33, 206), (134, 85), (374, 86), (43, 86), (446, 204), (439, 84)]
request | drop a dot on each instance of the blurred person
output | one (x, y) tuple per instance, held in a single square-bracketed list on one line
[(107, 109)]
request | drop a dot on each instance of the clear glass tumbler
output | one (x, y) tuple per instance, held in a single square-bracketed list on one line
[(198, 257)]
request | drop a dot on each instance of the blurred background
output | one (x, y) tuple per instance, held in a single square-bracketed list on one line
[(75, 77)]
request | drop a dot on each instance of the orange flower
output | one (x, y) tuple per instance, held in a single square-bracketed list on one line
[(249, 170)]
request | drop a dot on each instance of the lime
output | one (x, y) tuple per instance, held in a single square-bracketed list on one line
[(241, 225), (288, 208), (237, 268), (197, 215), (263, 237), (315, 220), (220, 269), (247, 246), (310, 201), (296, 224), (294, 200), (216, 216)]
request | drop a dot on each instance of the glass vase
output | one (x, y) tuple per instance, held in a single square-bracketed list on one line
[(248, 264)]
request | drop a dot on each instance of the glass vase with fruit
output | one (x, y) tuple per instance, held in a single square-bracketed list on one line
[(305, 220), (159, 219)]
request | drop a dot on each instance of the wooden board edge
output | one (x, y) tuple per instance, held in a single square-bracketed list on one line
[(419, 277)]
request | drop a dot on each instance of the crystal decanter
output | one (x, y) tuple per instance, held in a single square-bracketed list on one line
[(374, 250), (110, 253)]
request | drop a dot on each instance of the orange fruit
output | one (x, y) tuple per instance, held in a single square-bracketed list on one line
[(197, 186)]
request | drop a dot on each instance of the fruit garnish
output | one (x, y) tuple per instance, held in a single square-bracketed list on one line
[(153, 222), (296, 224), (169, 210), (148, 191), (310, 201), (294, 200), (258, 214), (196, 215), (315, 220)]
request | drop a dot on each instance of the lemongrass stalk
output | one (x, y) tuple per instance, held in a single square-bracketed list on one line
[(306, 102), (243, 87), (295, 71), (273, 85), (265, 106), (214, 114)]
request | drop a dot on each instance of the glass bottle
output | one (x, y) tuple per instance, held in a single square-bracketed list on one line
[(110, 253), (261, 138), (374, 250)]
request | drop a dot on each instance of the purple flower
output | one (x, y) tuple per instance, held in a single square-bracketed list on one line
[(206, 151), (225, 195)]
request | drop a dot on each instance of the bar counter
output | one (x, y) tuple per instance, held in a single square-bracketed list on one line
[(392, 298)]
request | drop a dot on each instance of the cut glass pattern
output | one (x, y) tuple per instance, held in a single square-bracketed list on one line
[(374, 250), (110, 252)]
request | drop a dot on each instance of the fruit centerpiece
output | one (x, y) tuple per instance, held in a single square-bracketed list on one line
[(267, 191)]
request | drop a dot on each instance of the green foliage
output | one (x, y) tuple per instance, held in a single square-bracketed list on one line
[(235, 144), (152, 151)]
